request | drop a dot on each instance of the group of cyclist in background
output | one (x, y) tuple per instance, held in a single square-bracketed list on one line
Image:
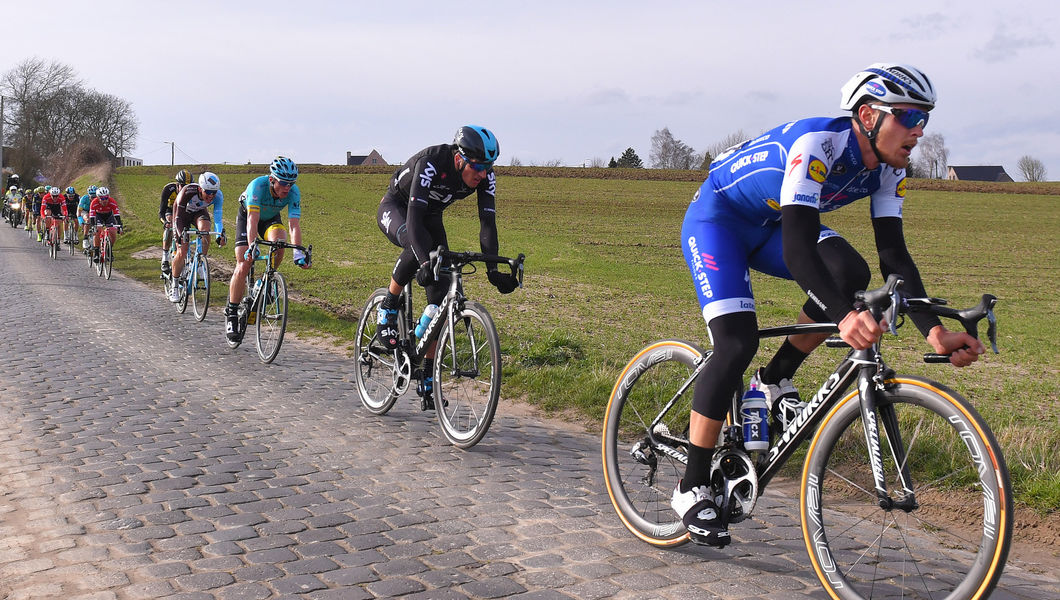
[(63, 215)]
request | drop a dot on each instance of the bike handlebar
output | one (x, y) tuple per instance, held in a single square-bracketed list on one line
[(441, 258), (282, 244), (887, 301)]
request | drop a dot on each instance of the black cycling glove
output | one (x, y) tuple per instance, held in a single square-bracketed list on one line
[(425, 275), (504, 282)]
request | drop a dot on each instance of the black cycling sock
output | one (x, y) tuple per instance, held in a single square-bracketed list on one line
[(391, 300), (697, 472), (784, 364)]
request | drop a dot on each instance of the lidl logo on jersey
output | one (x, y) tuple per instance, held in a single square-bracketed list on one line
[(816, 170), (900, 190)]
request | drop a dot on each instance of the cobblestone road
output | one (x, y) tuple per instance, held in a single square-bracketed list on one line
[(141, 458)]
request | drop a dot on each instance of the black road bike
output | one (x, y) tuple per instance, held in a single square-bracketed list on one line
[(467, 363), (264, 303), (889, 463)]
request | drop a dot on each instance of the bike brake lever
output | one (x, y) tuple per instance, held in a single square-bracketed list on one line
[(519, 268), (892, 313), (991, 330)]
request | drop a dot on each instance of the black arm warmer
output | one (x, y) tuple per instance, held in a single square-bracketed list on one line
[(487, 234), (800, 228), (895, 258)]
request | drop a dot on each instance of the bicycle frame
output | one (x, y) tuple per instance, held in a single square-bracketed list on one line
[(451, 304), (192, 262), (866, 367), (270, 267)]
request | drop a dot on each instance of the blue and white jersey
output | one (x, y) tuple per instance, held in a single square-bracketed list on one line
[(258, 197), (811, 162)]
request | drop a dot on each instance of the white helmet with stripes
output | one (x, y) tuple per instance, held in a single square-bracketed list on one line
[(889, 83)]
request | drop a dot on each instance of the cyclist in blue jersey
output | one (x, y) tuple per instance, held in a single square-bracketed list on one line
[(259, 216), (83, 205), (760, 209)]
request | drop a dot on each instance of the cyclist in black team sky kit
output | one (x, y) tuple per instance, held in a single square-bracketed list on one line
[(410, 215)]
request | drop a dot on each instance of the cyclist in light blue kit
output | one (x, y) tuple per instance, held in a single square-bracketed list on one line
[(259, 216), (760, 209), (83, 205)]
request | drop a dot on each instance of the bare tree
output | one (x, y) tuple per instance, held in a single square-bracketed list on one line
[(1031, 168), (916, 170), (668, 152), (729, 142), (596, 163), (52, 110), (933, 156)]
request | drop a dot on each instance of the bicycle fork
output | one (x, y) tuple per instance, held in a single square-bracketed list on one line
[(870, 381)]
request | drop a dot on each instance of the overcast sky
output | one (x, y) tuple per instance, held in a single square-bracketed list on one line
[(568, 80)]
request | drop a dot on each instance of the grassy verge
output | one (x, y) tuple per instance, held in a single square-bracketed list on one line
[(605, 276)]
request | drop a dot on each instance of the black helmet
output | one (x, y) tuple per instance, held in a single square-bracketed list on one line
[(477, 144), (183, 177)]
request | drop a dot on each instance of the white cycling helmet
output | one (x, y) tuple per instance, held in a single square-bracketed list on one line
[(889, 83), (102, 192), (54, 191), (209, 182)]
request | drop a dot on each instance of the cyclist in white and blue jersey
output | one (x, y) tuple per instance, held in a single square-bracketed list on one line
[(760, 209), (191, 209), (260, 207)]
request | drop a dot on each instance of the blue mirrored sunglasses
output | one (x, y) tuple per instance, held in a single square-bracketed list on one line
[(210, 192), (478, 166), (906, 117)]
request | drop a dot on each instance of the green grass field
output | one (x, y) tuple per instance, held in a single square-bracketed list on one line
[(605, 276)]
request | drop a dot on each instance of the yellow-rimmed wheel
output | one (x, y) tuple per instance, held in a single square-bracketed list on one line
[(948, 531)]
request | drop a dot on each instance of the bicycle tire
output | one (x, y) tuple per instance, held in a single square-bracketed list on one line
[(102, 254), (859, 550), (272, 317), (200, 288), (377, 368), (466, 389), (641, 489), (182, 290), (107, 261)]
